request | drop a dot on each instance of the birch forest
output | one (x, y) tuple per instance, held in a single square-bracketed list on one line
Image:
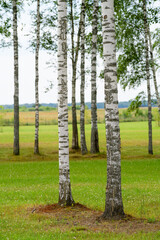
[(75, 170)]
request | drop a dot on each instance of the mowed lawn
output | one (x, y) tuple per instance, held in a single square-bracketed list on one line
[(28, 181)]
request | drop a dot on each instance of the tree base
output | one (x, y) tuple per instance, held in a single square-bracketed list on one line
[(94, 151), (94, 141), (150, 152), (84, 152), (106, 216), (16, 153), (69, 202), (75, 147), (36, 151)]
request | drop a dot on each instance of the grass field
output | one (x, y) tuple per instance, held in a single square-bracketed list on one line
[(28, 181)]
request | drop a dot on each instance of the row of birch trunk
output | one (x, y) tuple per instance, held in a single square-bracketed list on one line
[(75, 51), (114, 204), (80, 44), (16, 148), (76, 47)]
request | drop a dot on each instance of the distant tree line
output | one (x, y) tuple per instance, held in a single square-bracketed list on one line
[(52, 106)]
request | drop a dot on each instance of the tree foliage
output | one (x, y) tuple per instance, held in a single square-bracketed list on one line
[(130, 40)]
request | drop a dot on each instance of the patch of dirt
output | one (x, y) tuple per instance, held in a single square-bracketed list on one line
[(81, 218), (58, 208)]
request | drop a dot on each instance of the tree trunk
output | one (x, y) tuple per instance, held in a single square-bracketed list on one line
[(75, 144), (36, 144), (150, 148), (94, 127), (82, 109), (113, 204), (154, 73), (75, 52), (16, 83), (65, 196)]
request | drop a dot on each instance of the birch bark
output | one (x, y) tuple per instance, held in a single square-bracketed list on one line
[(150, 147), (113, 203), (75, 144), (16, 80), (82, 109), (65, 196), (94, 127), (75, 52), (36, 144)]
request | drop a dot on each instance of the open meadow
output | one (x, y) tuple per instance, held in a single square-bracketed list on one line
[(50, 117), (28, 183)]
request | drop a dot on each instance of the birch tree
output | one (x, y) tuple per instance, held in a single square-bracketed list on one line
[(82, 92), (132, 41), (74, 53), (153, 70), (113, 203), (150, 147), (65, 196), (36, 144), (16, 81), (94, 127)]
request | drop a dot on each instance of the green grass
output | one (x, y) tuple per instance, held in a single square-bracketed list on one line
[(134, 138), (25, 185), (28, 180)]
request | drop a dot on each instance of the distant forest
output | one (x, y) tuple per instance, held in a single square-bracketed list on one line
[(50, 106)]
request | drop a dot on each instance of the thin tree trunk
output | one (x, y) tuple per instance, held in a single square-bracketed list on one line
[(82, 110), (154, 72), (36, 144), (75, 52), (113, 203), (65, 196), (150, 147), (94, 127), (75, 144), (16, 82)]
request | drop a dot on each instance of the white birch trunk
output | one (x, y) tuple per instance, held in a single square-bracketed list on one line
[(113, 204), (36, 144), (94, 127), (150, 146), (16, 81), (65, 196), (75, 144), (82, 89)]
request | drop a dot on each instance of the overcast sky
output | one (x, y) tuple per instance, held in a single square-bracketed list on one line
[(27, 75), (47, 75)]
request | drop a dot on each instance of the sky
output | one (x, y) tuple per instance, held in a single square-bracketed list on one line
[(47, 75)]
